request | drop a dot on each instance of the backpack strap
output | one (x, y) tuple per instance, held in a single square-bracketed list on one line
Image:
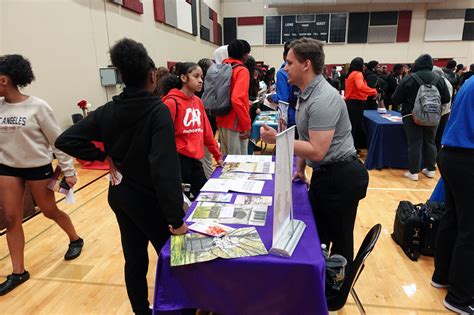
[(418, 79)]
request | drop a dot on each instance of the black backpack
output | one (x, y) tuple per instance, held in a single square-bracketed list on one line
[(408, 229), (432, 212)]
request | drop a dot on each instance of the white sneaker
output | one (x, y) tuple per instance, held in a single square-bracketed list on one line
[(411, 176), (429, 174)]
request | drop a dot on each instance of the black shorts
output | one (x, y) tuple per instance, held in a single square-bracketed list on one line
[(31, 173)]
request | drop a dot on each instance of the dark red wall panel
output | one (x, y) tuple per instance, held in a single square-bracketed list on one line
[(404, 26), (250, 20), (159, 10), (133, 5)]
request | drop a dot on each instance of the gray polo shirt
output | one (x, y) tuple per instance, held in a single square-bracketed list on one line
[(319, 108)]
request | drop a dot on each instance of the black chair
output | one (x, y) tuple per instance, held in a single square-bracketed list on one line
[(337, 301)]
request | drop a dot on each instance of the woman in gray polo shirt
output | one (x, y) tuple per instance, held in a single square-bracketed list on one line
[(339, 179)]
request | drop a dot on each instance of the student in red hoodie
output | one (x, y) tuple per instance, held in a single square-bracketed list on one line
[(235, 127), (192, 128)]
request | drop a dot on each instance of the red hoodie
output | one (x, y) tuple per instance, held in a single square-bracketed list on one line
[(239, 118), (192, 128)]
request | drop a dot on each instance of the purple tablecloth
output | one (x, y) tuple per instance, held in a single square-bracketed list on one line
[(251, 285)]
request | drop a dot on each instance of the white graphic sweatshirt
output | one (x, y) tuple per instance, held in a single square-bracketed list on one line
[(28, 131)]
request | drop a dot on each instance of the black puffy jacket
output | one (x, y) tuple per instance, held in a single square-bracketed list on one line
[(406, 91)]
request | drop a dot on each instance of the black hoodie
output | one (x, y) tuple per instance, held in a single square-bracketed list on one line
[(138, 134), (406, 91)]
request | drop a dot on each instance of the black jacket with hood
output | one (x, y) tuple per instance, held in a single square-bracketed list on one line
[(406, 91), (138, 134)]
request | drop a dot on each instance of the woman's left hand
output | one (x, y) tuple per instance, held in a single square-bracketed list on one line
[(220, 163), (71, 180)]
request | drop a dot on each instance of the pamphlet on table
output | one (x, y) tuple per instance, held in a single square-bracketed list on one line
[(248, 158), (194, 248), (210, 229), (260, 167), (237, 185), (253, 200), (235, 175), (214, 197), (229, 213)]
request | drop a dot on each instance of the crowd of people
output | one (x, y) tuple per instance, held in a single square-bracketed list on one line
[(159, 134)]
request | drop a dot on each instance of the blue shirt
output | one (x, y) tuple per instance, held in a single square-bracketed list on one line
[(459, 131), (285, 92)]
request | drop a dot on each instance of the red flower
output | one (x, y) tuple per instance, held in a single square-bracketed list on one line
[(82, 104)]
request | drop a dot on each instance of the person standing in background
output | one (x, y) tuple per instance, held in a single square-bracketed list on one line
[(373, 81), (206, 161), (234, 128), (446, 109), (138, 135), (392, 81), (454, 245), (421, 139), (192, 128), (356, 94), (28, 130), (285, 91)]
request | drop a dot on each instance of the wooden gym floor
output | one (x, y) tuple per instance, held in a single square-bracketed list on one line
[(94, 284)]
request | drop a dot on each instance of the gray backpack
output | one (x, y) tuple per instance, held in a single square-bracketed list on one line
[(216, 96), (427, 108)]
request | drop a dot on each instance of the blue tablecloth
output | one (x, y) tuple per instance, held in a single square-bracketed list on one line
[(251, 285), (257, 123), (386, 141)]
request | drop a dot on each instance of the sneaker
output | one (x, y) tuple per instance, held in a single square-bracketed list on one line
[(13, 281), (469, 309), (429, 174), (74, 249), (438, 285), (411, 176)]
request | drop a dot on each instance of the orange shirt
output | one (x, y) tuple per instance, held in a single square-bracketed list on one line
[(357, 88)]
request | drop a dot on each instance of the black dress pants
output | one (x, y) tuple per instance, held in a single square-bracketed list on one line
[(355, 108), (335, 192), (454, 254), (140, 222)]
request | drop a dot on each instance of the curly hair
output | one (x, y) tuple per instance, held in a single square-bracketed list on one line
[(17, 68), (132, 61)]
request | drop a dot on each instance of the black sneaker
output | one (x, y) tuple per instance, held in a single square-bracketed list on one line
[(468, 310), (74, 249), (13, 281)]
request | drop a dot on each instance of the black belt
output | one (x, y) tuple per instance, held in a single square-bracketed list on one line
[(341, 162)]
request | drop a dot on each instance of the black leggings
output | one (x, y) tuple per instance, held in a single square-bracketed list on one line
[(192, 173), (140, 222)]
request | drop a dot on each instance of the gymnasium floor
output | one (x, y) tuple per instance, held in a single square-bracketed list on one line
[(94, 284)]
